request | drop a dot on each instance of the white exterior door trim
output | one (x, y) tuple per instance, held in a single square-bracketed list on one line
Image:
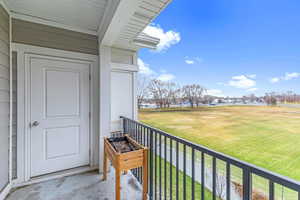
[(24, 53)]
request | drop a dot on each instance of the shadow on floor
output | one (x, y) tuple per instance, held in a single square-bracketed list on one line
[(86, 186)]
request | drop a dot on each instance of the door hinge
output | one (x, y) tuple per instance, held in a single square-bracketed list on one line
[(90, 77)]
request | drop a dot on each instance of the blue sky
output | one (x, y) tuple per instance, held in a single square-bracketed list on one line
[(231, 47)]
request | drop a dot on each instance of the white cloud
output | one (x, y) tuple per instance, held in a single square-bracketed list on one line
[(144, 68), (242, 82), (274, 80), (253, 76), (163, 75), (288, 76), (215, 92), (252, 89), (166, 77), (189, 62), (167, 38)]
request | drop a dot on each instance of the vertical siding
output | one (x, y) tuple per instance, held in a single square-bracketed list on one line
[(4, 97)]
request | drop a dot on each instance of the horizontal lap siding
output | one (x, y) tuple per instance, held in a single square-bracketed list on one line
[(4, 97), (46, 36)]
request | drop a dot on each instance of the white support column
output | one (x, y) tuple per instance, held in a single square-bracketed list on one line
[(105, 98), (135, 102)]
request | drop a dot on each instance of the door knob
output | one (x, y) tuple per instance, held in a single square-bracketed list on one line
[(35, 123)]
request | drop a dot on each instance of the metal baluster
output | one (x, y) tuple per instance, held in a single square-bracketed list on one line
[(193, 173), (171, 167), (246, 184), (214, 175), (228, 186), (155, 168), (144, 136), (140, 135), (124, 125), (202, 175), (184, 172), (135, 131), (177, 172), (160, 166), (137, 139), (271, 190), (151, 165), (165, 174), (131, 129)]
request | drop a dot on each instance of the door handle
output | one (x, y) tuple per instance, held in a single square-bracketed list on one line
[(35, 123)]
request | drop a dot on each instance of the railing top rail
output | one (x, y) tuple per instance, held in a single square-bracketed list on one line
[(276, 178)]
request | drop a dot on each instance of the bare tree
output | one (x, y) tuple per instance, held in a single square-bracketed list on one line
[(156, 89), (271, 99), (164, 93), (252, 98), (142, 89), (193, 94), (171, 93), (208, 99)]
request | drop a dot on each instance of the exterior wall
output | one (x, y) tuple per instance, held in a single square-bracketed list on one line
[(14, 115), (25, 32), (123, 78), (20, 150), (122, 95), (4, 97), (122, 56)]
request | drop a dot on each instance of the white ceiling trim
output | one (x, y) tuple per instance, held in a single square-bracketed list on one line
[(121, 18), (107, 17), (51, 23), (146, 41), (126, 67), (129, 21)]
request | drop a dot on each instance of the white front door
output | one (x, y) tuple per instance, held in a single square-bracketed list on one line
[(59, 105)]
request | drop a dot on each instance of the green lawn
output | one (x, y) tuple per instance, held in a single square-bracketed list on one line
[(265, 136), (167, 174)]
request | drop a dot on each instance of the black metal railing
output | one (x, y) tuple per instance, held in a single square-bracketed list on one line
[(180, 169)]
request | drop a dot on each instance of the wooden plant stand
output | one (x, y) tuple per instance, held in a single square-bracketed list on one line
[(123, 160)]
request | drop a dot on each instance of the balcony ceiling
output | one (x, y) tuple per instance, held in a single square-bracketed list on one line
[(84, 14), (118, 23)]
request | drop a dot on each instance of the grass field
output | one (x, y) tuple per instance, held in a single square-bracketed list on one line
[(165, 186), (265, 136)]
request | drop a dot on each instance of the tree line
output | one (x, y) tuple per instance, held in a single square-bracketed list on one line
[(167, 93), (273, 98)]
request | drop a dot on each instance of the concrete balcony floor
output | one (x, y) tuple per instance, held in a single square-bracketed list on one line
[(86, 186)]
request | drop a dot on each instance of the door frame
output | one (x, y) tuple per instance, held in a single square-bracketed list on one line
[(24, 53)]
